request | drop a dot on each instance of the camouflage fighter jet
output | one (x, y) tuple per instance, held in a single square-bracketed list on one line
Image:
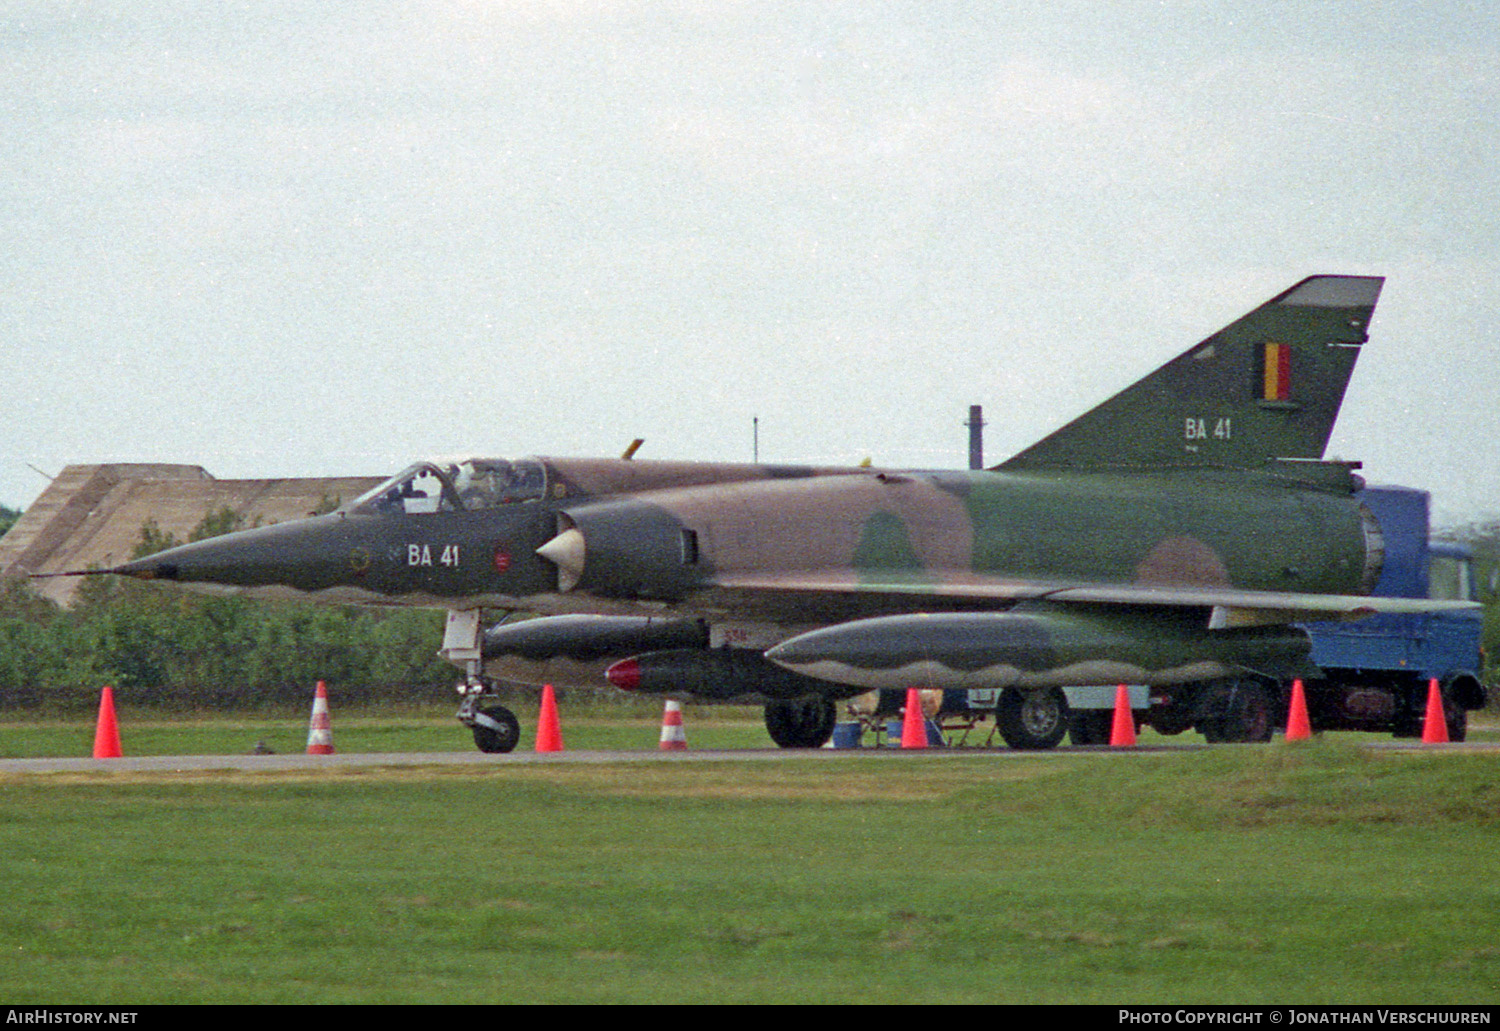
[(1171, 537)]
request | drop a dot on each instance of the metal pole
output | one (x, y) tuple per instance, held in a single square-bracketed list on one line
[(976, 436)]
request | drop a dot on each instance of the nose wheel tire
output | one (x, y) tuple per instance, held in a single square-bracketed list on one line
[(496, 729)]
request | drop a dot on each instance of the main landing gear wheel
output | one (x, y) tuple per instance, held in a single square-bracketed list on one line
[(1032, 720), (1244, 714), (804, 723), (496, 729)]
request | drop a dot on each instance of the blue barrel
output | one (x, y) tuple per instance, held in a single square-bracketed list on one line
[(846, 735)]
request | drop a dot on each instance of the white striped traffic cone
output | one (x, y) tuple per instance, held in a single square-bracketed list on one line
[(319, 730), (673, 737)]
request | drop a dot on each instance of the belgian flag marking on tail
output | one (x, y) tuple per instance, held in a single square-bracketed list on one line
[(1276, 372), (1243, 372)]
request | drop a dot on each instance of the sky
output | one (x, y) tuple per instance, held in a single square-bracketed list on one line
[(294, 238)]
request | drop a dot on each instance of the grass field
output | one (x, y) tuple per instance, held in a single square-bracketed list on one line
[(1311, 873)]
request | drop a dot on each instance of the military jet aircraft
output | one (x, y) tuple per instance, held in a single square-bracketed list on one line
[(1171, 537)]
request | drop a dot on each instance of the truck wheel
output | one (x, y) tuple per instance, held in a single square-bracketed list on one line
[(1251, 712), (1457, 717), (1032, 720), (1241, 711), (1410, 724)]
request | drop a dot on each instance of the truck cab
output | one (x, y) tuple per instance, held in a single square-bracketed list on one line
[(1377, 669)]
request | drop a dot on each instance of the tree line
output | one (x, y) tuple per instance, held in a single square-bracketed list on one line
[(158, 647), (172, 649)]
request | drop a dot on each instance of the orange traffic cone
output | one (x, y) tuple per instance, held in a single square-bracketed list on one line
[(548, 733), (319, 730), (1435, 726), (107, 730), (913, 723), (673, 737), (1122, 730), (1298, 728)]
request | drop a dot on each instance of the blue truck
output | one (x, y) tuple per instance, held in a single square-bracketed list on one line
[(1375, 670)]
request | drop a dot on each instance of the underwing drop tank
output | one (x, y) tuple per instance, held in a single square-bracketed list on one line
[(1039, 647)]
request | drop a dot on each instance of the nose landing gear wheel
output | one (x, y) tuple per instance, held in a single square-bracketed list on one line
[(496, 729)]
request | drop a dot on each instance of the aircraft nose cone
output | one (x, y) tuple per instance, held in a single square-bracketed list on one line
[(306, 554), (149, 568)]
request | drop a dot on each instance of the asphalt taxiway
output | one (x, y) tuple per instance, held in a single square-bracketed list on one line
[(368, 760), (361, 760)]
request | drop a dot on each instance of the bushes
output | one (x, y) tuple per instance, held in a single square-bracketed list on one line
[(167, 648)]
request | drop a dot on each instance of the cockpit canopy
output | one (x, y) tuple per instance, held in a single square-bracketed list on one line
[(469, 485)]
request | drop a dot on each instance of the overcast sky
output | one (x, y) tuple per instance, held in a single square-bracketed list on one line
[(304, 238)]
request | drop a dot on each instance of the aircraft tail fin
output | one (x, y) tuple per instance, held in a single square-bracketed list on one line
[(1267, 386)]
